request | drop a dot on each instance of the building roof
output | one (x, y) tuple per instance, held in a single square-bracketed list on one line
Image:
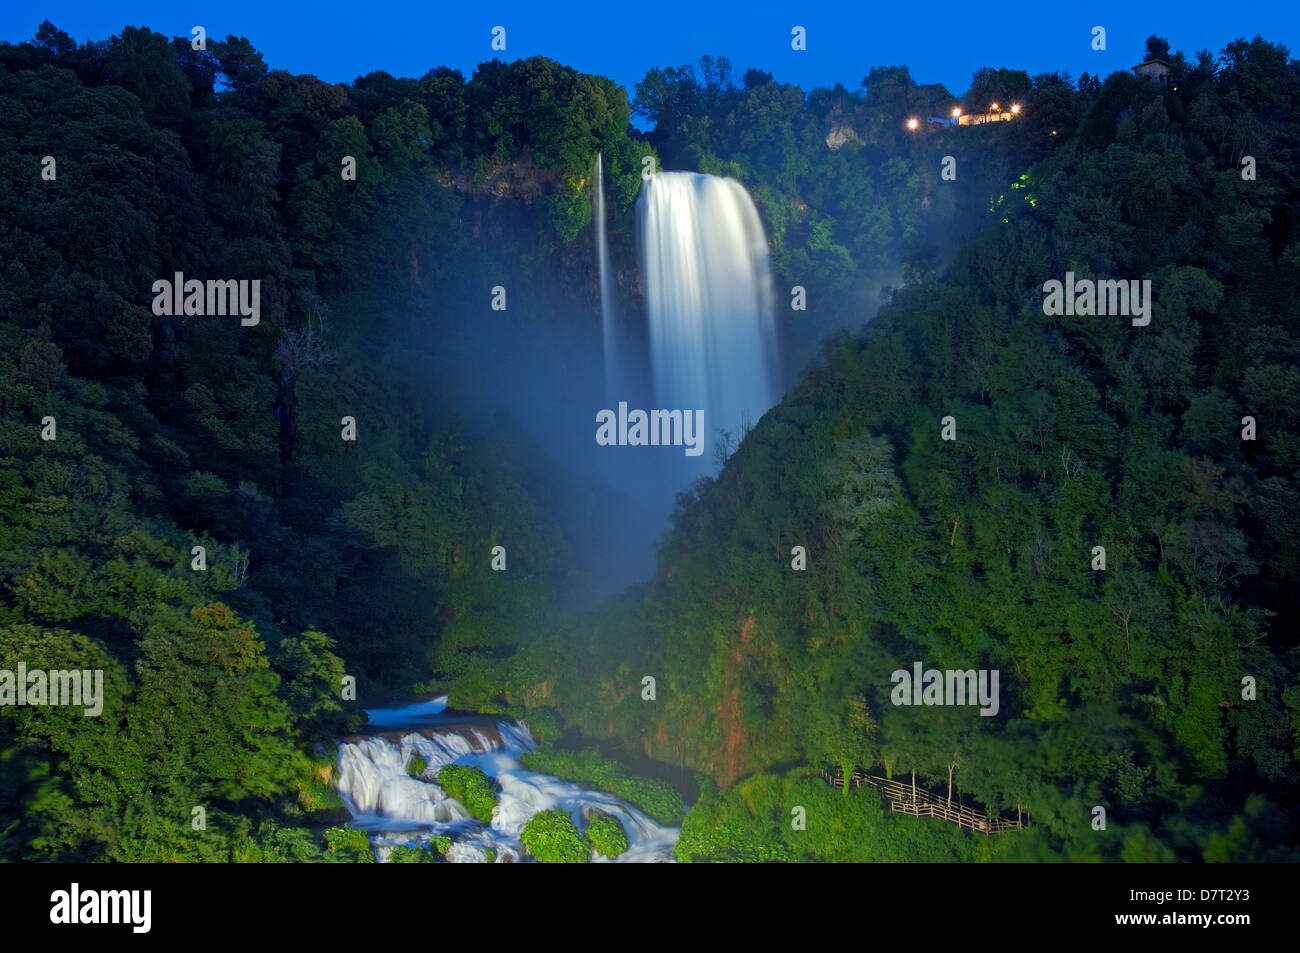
[(1150, 61)]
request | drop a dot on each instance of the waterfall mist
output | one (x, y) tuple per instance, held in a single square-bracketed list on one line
[(528, 381)]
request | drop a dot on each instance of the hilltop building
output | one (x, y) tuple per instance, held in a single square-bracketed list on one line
[(1156, 70), (994, 114)]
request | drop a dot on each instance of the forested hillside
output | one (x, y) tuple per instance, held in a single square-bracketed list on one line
[(325, 557), (1120, 688)]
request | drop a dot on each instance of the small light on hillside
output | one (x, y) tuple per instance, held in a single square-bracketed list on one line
[(913, 123), (1015, 107), (957, 111)]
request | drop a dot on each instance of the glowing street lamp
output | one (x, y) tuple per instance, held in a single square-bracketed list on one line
[(994, 107), (956, 112), (1015, 107), (913, 123)]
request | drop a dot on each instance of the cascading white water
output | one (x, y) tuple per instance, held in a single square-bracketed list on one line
[(398, 809), (709, 294), (609, 330)]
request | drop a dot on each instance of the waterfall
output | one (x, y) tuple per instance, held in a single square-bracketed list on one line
[(613, 360), (709, 295), (398, 809)]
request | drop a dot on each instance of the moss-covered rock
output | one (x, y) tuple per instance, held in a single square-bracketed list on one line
[(414, 855), (607, 835), (471, 787), (551, 837)]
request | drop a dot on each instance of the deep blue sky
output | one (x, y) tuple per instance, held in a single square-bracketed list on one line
[(622, 39)]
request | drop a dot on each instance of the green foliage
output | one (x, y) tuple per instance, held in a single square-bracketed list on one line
[(544, 724), (314, 676), (416, 766), (862, 478), (657, 798), (414, 855), (1120, 687), (568, 211), (274, 844), (753, 822), (471, 787), (1002, 86), (552, 838), (975, 553), (349, 845), (316, 792), (174, 434), (606, 835)]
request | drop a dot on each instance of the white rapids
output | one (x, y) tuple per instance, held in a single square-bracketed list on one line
[(396, 809)]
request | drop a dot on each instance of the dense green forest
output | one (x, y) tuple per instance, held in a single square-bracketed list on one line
[(1121, 688), (322, 559), (326, 557)]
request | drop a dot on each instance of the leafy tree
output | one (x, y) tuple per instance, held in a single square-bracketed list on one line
[(313, 686), (240, 64), (1157, 48)]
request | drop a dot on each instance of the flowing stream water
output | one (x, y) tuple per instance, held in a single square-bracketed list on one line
[(396, 809)]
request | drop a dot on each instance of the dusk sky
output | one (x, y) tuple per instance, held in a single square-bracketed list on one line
[(942, 43)]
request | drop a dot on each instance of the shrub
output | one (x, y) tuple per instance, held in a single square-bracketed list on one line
[(414, 855), (568, 211), (316, 791), (750, 822), (657, 798), (416, 766), (349, 845), (551, 838), (607, 836), (543, 723), (471, 787)]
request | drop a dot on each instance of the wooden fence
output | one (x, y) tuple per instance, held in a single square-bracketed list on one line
[(918, 802)]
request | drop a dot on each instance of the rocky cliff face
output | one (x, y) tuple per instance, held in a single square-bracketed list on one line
[(841, 133), (518, 180)]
